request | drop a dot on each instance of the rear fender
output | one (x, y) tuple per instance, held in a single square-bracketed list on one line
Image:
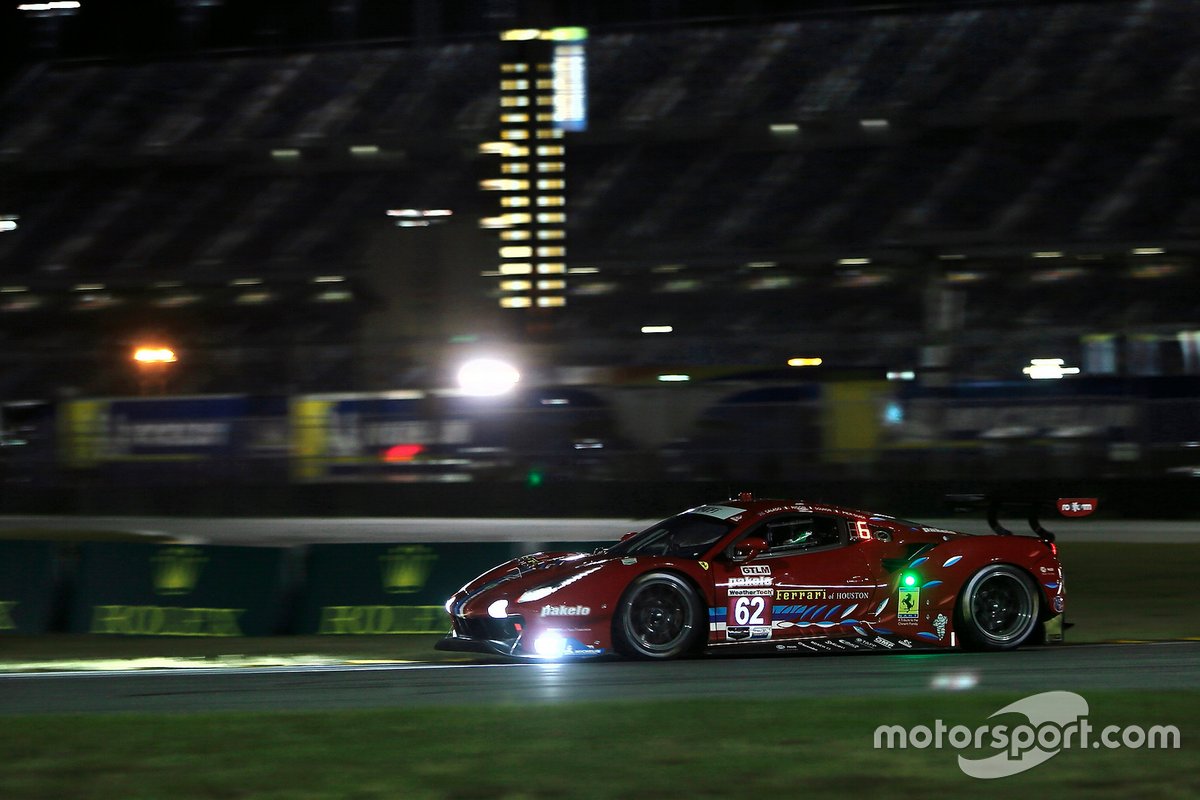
[(925, 610)]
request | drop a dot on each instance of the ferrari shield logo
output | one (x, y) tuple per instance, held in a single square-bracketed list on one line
[(909, 605)]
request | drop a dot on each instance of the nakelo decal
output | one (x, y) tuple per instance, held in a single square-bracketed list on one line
[(177, 570), (566, 611), (406, 568), (752, 580)]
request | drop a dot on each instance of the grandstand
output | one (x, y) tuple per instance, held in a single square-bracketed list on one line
[(958, 186)]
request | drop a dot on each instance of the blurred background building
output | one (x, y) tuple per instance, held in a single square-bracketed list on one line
[(773, 239)]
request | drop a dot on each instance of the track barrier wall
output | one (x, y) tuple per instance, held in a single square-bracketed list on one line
[(135, 589), (28, 586), (357, 589)]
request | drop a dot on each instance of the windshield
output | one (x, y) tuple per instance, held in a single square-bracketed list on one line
[(684, 536)]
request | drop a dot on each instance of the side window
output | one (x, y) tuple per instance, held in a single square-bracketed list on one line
[(799, 532)]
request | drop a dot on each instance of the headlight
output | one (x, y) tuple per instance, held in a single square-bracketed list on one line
[(498, 609), (538, 592), (550, 645), (533, 595)]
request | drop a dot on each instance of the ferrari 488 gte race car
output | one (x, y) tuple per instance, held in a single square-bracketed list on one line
[(776, 574)]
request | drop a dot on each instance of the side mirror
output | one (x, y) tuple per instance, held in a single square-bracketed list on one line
[(626, 536), (749, 548)]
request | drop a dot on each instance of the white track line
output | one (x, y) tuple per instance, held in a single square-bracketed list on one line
[(280, 670)]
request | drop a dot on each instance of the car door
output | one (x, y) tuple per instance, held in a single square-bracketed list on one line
[(812, 580)]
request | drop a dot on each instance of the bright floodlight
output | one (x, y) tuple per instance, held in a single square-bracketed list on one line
[(154, 355), (487, 376), (1041, 369)]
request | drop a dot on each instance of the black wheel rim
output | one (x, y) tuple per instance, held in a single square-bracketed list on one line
[(1002, 607), (658, 617)]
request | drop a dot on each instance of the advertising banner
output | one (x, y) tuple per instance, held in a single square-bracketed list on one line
[(387, 436), (27, 587), (155, 436), (179, 590), (365, 589)]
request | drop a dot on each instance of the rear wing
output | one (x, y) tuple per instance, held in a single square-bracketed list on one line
[(1032, 509)]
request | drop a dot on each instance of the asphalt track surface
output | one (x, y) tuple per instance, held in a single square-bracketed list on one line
[(298, 531), (1159, 666)]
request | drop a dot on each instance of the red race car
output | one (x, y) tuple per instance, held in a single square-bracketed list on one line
[(774, 574)]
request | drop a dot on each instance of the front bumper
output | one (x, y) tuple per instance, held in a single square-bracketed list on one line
[(510, 638), (456, 643), (484, 635), (463, 644)]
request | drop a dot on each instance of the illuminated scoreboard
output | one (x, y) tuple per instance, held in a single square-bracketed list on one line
[(543, 93)]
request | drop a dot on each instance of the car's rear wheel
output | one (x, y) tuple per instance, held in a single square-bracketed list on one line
[(998, 608), (660, 616)]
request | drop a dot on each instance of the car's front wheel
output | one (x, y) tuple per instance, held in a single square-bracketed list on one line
[(660, 616), (998, 608)]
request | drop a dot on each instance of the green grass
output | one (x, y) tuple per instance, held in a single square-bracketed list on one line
[(1131, 591), (711, 749)]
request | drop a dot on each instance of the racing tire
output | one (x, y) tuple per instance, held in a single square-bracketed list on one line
[(660, 616), (998, 609)]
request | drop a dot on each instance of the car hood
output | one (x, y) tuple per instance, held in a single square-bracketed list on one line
[(535, 569)]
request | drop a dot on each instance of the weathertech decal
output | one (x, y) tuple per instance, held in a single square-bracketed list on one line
[(763, 592)]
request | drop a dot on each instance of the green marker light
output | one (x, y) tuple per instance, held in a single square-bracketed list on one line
[(909, 579)]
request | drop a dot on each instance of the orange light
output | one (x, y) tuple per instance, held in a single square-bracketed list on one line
[(154, 355)]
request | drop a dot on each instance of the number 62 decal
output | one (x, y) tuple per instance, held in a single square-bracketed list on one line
[(752, 610)]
